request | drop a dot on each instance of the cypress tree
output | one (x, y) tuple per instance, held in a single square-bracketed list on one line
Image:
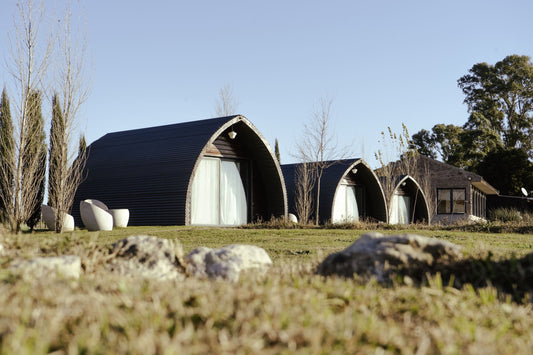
[(276, 151), (82, 146), (58, 161), (7, 156), (36, 213), (34, 169)]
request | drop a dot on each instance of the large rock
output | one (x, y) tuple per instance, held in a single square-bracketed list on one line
[(377, 255), (148, 257), (68, 266), (228, 262)]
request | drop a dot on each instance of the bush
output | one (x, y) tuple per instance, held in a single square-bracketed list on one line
[(505, 215)]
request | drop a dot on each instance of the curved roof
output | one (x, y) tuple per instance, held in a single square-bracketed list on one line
[(331, 179), (150, 170)]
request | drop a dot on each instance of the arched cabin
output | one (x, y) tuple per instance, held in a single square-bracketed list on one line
[(219, 171)]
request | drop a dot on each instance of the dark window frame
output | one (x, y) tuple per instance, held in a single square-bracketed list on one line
[(479, 203), (451, 200)]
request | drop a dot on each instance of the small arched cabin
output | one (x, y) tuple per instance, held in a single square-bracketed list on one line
[(219, 171), (349, 191)]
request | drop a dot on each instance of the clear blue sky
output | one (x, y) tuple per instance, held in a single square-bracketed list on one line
[(382, 62)]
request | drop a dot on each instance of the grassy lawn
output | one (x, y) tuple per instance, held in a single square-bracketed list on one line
[(290, 310)]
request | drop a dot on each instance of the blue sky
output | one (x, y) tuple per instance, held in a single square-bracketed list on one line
[(382, 62)]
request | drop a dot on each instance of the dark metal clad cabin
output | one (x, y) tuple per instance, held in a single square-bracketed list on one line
[(408, 202), (349, 191), (219, 171)]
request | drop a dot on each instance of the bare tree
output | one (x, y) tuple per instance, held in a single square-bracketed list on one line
[(400, 147), (66, 165), (319, 145), (226, 103), (28, 64), (393, 146), (36, 147), (305, 178)]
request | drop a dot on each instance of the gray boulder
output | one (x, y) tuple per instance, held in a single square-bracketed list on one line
[(377, 255), (68, 266), (147, 257), (228, 262)]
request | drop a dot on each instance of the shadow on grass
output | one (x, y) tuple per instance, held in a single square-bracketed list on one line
[(512, 276)]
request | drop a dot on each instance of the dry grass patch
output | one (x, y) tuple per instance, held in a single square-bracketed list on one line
[(290, 310)]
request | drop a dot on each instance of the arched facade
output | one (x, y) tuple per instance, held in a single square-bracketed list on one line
[(349, 191), (408, 202), (189, 173)]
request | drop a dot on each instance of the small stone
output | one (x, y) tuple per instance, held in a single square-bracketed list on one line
[(68, 266), (148, 257), (228, 262), (377, 255)]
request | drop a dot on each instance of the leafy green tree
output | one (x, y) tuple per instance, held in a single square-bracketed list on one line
[(499, 125), (508, 170), (444, 142), (425, 144), (7, 157), (500, 101), (479, 138)]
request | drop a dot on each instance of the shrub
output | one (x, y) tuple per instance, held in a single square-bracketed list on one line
[(505, 215)]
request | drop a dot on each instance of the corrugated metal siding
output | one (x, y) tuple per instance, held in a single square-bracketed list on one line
[(331, 179), (289, 171), (148, 170)]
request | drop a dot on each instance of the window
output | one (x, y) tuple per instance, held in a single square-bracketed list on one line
[(345, 207), (479, 203), (400, 209), (218, 193), (451, 201)]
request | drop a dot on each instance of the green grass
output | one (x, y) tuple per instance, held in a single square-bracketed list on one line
[(290, 310)]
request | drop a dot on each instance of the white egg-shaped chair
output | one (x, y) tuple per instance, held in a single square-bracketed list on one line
[(49, 218), (95, 215)]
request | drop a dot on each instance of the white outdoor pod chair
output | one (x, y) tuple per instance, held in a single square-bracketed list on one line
[(95, 215), (49, 218), (121, 217)]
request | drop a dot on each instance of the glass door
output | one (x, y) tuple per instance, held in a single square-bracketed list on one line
[(218, 196), (345, 207)]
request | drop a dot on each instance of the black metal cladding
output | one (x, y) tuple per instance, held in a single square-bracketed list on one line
[(331, 178), (149, 170)]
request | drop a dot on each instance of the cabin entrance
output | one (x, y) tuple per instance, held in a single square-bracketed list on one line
[(345, 208), (219, 192)]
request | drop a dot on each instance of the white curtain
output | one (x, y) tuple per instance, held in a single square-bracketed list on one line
[(205, 192), (232, 195), (339, 204), (352, 212), (345, 205), (400, 209)]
